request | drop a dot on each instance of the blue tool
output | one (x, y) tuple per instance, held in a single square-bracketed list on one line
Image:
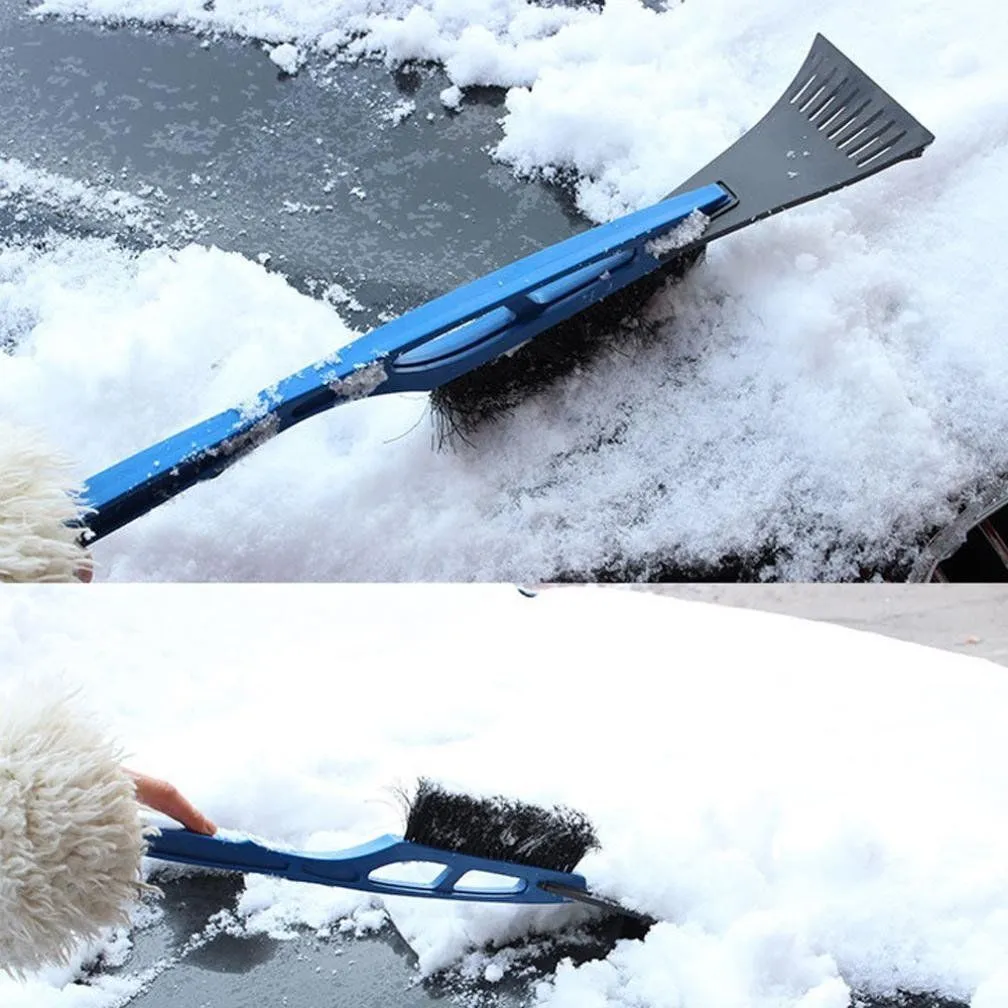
[(356, 868), (831, 127)]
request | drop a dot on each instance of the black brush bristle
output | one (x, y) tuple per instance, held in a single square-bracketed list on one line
[(499, 828), (462, 406)]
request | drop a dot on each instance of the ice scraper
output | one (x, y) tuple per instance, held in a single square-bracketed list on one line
[(832, 126)]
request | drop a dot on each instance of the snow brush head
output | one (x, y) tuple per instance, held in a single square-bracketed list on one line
[(499, 828), (611, 326)]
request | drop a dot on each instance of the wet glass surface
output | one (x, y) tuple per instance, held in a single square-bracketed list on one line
[(194, 962)]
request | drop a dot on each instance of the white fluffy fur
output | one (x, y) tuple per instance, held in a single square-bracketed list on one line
[(36, 502), (71, 836)]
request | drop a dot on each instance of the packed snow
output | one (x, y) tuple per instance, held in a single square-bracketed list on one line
[(830, 384), (451, 97), (808, 811), (288, 57)]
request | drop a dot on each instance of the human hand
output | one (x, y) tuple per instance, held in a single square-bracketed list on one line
[(165, 798)]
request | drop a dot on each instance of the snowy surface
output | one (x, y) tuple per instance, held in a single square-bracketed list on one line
[(831, 381), (58, 192), (808, 810)]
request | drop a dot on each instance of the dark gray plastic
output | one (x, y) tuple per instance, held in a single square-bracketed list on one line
[(831, 127)]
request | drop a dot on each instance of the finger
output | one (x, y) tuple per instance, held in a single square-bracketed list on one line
[(179, 808), (166, 798)]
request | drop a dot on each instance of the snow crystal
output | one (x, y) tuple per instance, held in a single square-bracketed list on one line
[(402, 109), (683, 234), (297, 206), (361, 383), (451, 97), (59, 192), (288, 57), (336, 294)]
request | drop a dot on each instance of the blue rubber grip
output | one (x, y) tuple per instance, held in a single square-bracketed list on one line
[(419, 351), (353, 868)]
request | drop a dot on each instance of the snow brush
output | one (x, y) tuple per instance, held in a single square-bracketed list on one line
[(489, 850), (831, 127)]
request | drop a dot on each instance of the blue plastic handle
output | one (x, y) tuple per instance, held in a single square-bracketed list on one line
[(419, 351), (353, 868)]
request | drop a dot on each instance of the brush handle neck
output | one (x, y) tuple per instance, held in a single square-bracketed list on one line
[(419, 351)]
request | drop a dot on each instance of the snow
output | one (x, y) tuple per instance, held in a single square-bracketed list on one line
[(153, 312), (402, 109), (831, 381), (288, 57), (691, 229), (58, 192), (451, 97), (807, 810)]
